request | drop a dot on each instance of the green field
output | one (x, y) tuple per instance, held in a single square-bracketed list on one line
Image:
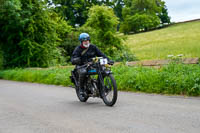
[(182, 38)]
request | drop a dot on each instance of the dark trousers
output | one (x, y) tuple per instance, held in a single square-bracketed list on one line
[(82, 72)]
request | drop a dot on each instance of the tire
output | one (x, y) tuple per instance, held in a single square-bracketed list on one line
[(109, 93), (80, 97)]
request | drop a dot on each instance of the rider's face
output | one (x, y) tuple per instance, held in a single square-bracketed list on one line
[(86, 42)]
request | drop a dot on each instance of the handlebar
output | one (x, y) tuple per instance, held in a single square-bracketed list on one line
[(95, 60)]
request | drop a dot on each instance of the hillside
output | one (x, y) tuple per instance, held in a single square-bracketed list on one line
[(182, 38)]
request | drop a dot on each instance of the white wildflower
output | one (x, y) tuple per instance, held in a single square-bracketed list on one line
[(180, 55), (169, 56)]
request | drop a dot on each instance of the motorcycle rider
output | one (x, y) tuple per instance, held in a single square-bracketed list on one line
[(83, 54)]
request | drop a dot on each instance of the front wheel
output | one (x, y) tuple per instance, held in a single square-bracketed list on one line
[(109, 91)]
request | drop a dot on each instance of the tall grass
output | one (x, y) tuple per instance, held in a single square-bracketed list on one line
[(172, 79), (176, 39), (56, 76)]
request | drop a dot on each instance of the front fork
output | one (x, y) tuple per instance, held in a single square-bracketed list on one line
[(101, 79), (101, 83)]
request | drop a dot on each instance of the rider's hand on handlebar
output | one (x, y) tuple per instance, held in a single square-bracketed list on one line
[(111, 62)]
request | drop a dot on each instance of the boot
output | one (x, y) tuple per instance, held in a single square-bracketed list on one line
[(81, 83), (81, 91)]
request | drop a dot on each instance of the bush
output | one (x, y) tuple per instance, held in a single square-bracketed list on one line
[(103, 22), (102, 26), (68, 44), (124, 55), (30, 34)]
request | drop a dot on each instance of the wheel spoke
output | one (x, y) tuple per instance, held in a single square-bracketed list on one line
[(109, 92), (108, 89)]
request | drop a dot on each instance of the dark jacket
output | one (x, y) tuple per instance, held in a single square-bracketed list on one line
[(92, 51)]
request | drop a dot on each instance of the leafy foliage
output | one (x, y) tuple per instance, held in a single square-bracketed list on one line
[(104, 22), (143, 15), (139, 22), (34, 35), (31, 34), (102, 26), (11, 29), (164, 17), (69, 43), (124, 55), (118, 6), (76, 11)]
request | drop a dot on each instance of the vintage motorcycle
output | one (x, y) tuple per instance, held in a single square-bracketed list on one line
[(99, 81)]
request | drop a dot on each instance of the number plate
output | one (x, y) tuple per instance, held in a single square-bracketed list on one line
[(103, 61)]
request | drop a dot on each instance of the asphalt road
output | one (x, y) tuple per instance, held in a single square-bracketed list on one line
[(37, 108)]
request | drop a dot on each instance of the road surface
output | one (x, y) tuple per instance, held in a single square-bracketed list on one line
[(38, 108)]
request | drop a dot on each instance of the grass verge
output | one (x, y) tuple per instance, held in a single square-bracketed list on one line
[(172, 79)]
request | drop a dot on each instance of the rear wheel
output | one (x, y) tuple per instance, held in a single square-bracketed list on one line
[(109, 92)]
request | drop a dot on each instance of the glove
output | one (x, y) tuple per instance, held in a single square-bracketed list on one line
[(76, 61), (111, 62)]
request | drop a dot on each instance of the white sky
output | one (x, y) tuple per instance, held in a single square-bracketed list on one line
[(183, 10)]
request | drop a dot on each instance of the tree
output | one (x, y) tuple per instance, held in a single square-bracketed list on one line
[(31, 34), (76, 11), (164, 17), (104, 22), (139, 22), (142, 15), (118, 6), (11, 29), (146, 6)]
